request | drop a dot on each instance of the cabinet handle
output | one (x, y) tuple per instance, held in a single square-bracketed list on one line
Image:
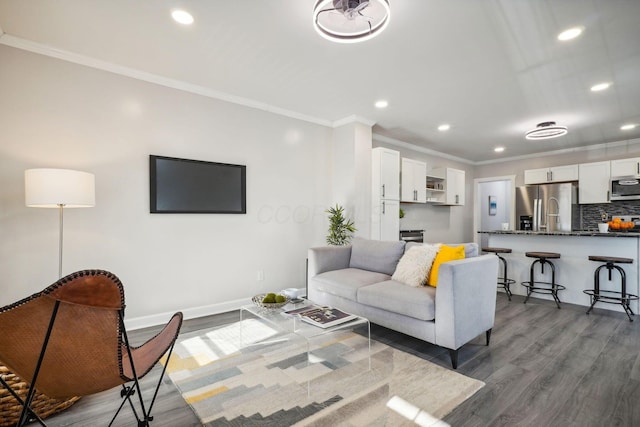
[(608, 197), (383, 191), (638, 168), (457, 199), (383, 208), (415, 195)]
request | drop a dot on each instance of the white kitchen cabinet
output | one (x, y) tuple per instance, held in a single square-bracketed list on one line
[(413, 181), (594, 183), (385, 194), (453, 181), (385, 170), (385, 223), (625, 167), (553, 174)]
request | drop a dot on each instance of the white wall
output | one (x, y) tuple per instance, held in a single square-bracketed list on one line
[(57, 114)]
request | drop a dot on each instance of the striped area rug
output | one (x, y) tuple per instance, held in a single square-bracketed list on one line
[(246, 374)]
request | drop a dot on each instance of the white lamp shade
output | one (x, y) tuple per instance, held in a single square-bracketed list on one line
[(50, 188)]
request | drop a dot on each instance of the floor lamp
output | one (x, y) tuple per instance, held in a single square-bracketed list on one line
[(59, 188)]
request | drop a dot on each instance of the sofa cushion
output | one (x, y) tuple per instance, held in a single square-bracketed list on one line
[(376, 255), (413, 268), (445, 254), (417, 302), (346, 282)]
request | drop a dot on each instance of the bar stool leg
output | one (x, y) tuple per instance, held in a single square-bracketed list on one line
[(554, 285), (505, 280), (624, 299), (529, 289), (596, 287)]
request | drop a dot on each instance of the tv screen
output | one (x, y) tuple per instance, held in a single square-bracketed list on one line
[(194, 186)]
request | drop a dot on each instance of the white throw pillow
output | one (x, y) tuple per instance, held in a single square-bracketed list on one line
[(414, 266)]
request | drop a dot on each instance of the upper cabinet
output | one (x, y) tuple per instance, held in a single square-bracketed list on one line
[(413, 181), (453, 183), (385, 173), (594, 183), (554, 174), (625, 167)]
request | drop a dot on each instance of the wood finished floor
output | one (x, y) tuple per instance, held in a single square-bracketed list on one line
[(544, 367)]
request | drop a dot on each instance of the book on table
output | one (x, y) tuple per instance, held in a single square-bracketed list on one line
[(325, 317)]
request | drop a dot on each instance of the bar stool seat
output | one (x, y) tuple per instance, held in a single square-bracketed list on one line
[(537, 286), (613, 297), (504, 281)]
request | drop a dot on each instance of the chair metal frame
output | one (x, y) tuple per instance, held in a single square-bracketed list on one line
[(145, 417)]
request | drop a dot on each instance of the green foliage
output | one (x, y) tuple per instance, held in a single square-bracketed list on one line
[(340, 229)]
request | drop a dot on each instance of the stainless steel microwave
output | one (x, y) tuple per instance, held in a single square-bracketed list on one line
[(625, 188)]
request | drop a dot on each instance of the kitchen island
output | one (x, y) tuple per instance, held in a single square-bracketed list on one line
[(573, 269)]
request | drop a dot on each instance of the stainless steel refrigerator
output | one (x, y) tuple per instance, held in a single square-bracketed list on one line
[(548, 207)]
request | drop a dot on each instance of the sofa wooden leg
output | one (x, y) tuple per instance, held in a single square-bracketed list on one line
[(454, 358), (488, 336)]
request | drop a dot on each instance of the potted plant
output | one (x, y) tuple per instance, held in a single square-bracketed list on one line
[(340, 229)]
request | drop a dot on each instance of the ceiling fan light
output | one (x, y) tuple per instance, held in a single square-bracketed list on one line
[(546, 130), (350, 21)]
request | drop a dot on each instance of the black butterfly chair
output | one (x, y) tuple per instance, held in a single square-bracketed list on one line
[(69, 340)]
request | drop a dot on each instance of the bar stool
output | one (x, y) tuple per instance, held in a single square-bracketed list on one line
[(613, 297), (504, 281), (540, 287)]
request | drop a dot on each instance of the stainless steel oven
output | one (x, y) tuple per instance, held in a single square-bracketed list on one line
[(412, 235)]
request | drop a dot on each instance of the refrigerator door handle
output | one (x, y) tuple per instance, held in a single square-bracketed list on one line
[(535, 214)]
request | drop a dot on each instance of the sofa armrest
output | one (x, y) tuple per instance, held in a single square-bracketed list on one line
[(327, 258), (465, 299)]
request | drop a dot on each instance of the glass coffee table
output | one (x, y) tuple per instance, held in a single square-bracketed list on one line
[(327, 346)]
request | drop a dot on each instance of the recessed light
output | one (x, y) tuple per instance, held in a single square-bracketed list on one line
[(570, 34), (600, 86), (381, 104), (182, 17), (628, 126), (444, 127), (498, 149)]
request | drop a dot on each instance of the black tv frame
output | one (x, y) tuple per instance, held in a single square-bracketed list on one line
[(153, 187)]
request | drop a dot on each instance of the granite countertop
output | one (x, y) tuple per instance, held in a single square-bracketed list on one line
[(594, 233)]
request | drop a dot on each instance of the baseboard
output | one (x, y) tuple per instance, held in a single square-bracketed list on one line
[(188, 313)]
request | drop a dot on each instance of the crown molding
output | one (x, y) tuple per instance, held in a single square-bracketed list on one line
[(46, 50), (602, 146), (409, 146), (353, 119)]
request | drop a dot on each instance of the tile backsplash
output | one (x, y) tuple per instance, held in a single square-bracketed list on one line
[(590, 215)]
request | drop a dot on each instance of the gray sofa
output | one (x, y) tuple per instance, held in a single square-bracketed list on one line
[(357, 279)]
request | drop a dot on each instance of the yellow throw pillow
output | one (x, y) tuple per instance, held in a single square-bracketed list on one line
[(446, 253)]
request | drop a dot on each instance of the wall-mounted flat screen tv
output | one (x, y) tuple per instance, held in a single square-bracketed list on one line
[(195, 186)]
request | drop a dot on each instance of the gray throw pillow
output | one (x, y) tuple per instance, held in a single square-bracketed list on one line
[(376, 255)]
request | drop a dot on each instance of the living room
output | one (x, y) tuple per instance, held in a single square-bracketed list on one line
[(63, 107)]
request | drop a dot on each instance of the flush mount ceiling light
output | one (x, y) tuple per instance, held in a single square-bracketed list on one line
[(570, 34), (444, 127), (628, 126), (381, 104), (498, 149), (546, 130), (350, 21)]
